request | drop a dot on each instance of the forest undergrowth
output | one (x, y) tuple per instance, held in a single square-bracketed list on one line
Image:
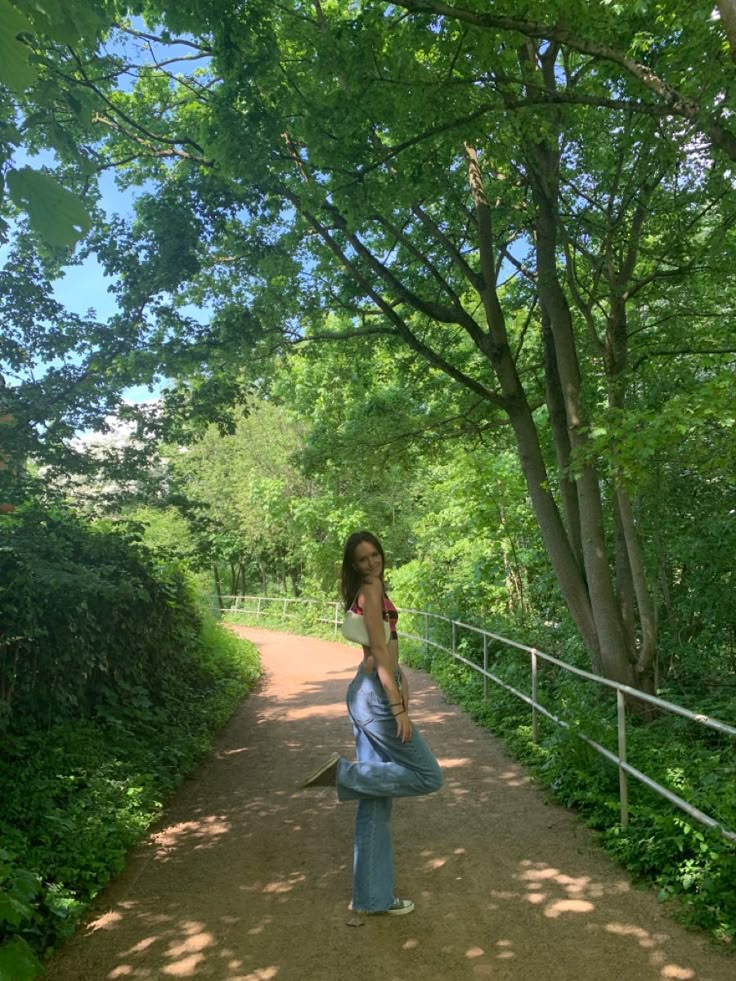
[(127, 683)]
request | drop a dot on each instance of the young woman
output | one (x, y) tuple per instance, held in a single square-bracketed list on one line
[(393, 759)]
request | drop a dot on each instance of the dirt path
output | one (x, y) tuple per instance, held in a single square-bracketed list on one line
[(248, 879)]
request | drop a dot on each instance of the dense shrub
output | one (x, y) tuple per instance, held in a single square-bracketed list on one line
[(113, 684), (88, 620)]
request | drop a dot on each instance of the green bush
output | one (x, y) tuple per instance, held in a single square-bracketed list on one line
[(113, 685), (88, 619), (74, 798)]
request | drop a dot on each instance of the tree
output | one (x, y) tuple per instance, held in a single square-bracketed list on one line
[(405, 170), (240, 493), (59, 372), (39, 113)]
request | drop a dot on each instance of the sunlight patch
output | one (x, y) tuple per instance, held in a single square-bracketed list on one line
[(568, 906), (106, 921), (448, 762), (193, 943), (187, 968)]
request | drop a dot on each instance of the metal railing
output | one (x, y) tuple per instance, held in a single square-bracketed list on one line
[(535, 656)]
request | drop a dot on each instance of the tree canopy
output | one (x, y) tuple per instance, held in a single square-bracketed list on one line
[(531, 211)]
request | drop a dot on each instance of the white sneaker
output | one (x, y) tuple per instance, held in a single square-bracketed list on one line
[(399, 907)]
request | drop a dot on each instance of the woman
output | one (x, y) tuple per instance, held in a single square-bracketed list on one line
[(393, 759)]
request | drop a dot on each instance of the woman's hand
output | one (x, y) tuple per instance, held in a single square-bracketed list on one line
[(403, 725)]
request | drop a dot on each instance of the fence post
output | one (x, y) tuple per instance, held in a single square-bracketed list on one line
[(453, 638), (258, 608), (535, 720), (623, 787), (485, 666), (337, 614), (283, 611)]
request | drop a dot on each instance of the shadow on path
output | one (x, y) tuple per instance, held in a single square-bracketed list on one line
[(248, 879)]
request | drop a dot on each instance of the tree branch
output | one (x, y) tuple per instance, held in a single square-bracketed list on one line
[(116, 110), (170, 151), (684, 352), (421, 257), (347, 335), (401, 327), (186, 42), (674, 102), (435, 311), (457, 257)]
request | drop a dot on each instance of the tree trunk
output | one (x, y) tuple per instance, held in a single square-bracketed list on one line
[(647, 614), (514, 570), (561, 437), (614, 652), (568, 573), (218, 585), (496, 349), (542, 170), (624, 583)]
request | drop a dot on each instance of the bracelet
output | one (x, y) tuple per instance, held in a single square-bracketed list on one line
[(397, 714), (394, 704)]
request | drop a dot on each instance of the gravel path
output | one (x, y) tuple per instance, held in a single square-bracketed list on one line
[(248, 879)]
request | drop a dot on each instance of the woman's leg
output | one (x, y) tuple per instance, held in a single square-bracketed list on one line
[(373, 854), (385, 768), (393, 768)]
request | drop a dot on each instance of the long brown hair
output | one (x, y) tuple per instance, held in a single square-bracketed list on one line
[(350, 579)]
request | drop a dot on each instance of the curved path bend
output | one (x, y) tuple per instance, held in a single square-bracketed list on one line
[(248, 879)]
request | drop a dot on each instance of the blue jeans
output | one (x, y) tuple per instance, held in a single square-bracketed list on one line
[(386, 768)]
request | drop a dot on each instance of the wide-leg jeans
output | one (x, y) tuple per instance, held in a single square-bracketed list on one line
[(385, 768)]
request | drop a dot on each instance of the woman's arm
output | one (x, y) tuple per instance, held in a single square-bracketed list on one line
[(373, 618)]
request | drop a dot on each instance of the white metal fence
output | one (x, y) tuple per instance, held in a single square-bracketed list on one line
[(331, 613)]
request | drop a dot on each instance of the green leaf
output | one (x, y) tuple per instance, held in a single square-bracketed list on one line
[(17, 961), (71, 22), (13, 911), (15, 70), (25, 885), (55, 213)]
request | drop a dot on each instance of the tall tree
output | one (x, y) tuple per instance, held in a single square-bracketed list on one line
[(404, 170)]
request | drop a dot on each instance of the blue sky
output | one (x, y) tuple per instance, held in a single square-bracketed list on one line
[(86, 287)]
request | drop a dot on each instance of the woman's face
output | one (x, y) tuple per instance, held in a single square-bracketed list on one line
[(367, 559)]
